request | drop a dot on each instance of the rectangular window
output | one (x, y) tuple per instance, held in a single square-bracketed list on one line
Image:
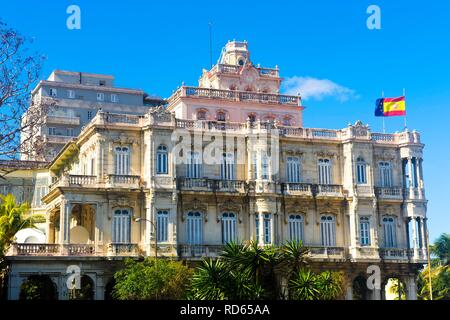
[(89, 115), (121, 226), (364, 230), (389, 232), (122, 161), (265, 166), (52, 92), (70, 132), (267, 228), (293, 169), (385, 174), (295, 227), (114, 98), (71, 94), (255, 165), (162, 225), (227, 167), (52, 131), (328, 231), (324, 168), (100, 96), (193, 169)]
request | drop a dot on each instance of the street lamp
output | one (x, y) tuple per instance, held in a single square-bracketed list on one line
[(155, 233)]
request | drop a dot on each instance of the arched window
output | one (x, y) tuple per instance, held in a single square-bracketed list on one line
[(194, 228), (227, 166), (389, 232), (293, 169), (265, 166), (255, 164), (121, 226), (295, 227), (361, 171), (221, 116), (364, 231), (193, 166), (201, 115), (328, 230), (385, 174), (161, 160), (228, 227), (252, 117), (162, 225), (122, 160), (324, 168)]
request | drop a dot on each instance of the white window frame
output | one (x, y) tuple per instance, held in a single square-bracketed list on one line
[(361, 171), (162, 226), (52, 92), (122, 160), (324, 167), (114, 98), (229, 233), (121, 225), (293, 171), (100, 96), (227, 166), (389, 231), (162, 159), (265, 166), (90, 115), (364, 231), (194, 228), (194, 165), (296, 227), (328, 230), (385, 170), (71, 94)]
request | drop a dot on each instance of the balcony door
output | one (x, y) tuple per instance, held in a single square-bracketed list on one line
[(328, 230), (121, 226), (122, 161), (227, 166), (389, 232), (324, 168), (194, 228)]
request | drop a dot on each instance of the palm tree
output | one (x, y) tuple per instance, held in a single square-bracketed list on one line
[(441, 248), (397, 288), (12, 219), (293, 256), (307, 285)]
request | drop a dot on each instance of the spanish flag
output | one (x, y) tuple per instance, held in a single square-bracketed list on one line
[(390, 107)]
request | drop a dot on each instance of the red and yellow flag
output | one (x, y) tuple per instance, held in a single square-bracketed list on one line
[(390, 107)]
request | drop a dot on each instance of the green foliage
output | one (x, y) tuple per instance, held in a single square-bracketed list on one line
[(441, 248), (214, 280), (38, 288), (152, 280), (396, 286), (307, 285), (440, 283)]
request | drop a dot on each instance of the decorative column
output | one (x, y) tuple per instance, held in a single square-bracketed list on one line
[(408, 243), (411, 288), (252, 235), (418, 178), (424, 238), (410, 178), (272, 227), (261, 229), (415, 246), (64, 220)]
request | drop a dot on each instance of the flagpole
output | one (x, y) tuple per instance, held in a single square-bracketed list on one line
[(404, 95), (384, 128)]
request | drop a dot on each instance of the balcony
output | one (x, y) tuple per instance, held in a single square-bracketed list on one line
[(50, 249), (67, 120), (57, 139), (73, 180), (123, 181), (395, 253), (211, 185), (234, 95), (330, 190), (389, 193), (123, 249), (327, 253), (296, 189), (199, 251)]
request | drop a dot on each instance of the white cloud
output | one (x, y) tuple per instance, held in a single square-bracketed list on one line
[(313, 88)]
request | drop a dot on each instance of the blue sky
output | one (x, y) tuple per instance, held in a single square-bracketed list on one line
[(155, 45)]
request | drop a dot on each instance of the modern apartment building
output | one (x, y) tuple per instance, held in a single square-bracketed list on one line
[(229, 160), (71, 100)]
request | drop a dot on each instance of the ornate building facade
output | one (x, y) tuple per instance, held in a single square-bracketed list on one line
[(230, 160)]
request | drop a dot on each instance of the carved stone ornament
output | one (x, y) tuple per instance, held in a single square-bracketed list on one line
[(195, 205), (160, 114), (360, 130), (329, 208), (229, 206), (297, 208)]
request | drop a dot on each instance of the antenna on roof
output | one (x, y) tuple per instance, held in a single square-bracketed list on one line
[(210, 43)]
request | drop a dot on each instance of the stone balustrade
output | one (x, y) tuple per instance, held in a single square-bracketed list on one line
[(389, 192), (123, 249), (124, 180)]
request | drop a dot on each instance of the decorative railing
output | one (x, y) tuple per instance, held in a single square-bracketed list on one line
[(234, 69), (364, 190), (79, 249), (394, 253), (123, 179), (327, 252), (204, 184), (389, 192), (329, 190), (57, 139), (235, 95), (82, 180), (63, 120), (121, 249), (193, 250), (297, 188)]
